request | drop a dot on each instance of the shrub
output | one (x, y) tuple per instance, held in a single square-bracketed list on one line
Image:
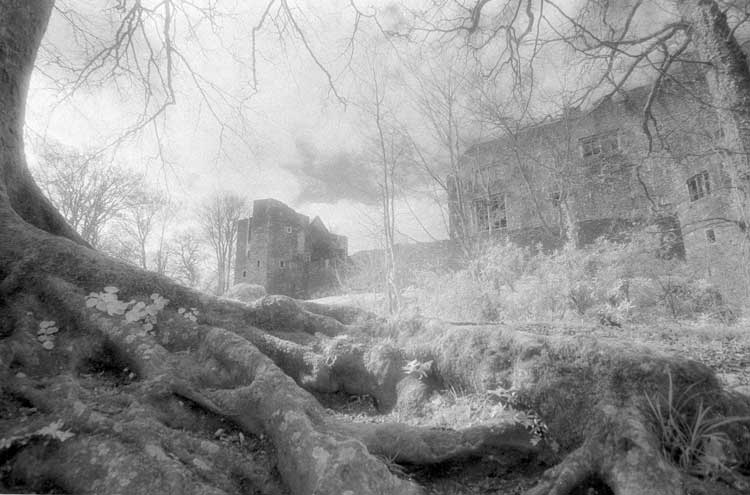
[(608, 282)]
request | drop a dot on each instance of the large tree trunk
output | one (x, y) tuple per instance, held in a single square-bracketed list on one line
[(23, 23)]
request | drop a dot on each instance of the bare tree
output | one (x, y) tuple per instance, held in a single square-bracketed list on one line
[(388, 150), (88, 192), (218, 218), (139, 235), (187, 251), (440, 84)]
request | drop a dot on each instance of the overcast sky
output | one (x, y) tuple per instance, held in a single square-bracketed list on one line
[(296, 141)]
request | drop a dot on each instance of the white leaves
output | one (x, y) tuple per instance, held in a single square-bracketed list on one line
[(422, 370), (52, 431), (46, 334), (134, 311), (107, 301), (189, 314)]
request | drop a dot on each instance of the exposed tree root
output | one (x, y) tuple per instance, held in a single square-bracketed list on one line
[(593, 397), (220, 373), (243, 366)]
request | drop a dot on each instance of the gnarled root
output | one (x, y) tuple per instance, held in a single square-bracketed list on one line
[(168, 389), (176, 384), (593, 398)]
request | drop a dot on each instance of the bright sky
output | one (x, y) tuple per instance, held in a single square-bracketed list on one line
[(296, 142), (293, 128)]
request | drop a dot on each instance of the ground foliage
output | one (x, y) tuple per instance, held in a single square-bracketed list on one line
[(413, 381)]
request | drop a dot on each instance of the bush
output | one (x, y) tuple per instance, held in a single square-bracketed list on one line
[(607, 282)]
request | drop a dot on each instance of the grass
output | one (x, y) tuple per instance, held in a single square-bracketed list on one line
[(693, 435)]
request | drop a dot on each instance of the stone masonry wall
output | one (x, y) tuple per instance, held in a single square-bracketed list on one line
[(275, 249), (551, 188)]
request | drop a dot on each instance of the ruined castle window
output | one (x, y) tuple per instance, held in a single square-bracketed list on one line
[(710, 236), (698, 186), (490, 213), (600, 144), (281, 264), (288, 229), (556, 199), (258, 264), (244, 273)]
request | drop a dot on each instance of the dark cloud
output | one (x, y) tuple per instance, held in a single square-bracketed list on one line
[(331, 177)]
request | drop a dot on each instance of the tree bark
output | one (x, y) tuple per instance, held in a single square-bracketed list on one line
[(24, 25)]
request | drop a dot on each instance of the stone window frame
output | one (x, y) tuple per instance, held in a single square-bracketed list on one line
[(288, 229), (557, 197), (281, 264), (601, 144), (699, 186), (491, 207), (710, 236)]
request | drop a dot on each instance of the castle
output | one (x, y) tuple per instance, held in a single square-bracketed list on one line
[(285, 252), (589, 174)]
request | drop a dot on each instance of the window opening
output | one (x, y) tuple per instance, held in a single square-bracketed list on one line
[(698, 186), (601, 144), (490, 213)]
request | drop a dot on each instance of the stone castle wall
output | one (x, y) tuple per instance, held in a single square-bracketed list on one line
[(590, 174), (283, 251)]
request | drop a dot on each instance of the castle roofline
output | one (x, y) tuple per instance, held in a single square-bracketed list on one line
[(319, 223)]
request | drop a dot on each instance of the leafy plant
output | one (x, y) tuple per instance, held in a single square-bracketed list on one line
[(52, 431), (46, 334), (189, 314), (146, 313), (134, 311), (418, 368), (692, 435)]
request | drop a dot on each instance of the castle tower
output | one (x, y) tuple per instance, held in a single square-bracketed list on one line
[(283, 251)]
